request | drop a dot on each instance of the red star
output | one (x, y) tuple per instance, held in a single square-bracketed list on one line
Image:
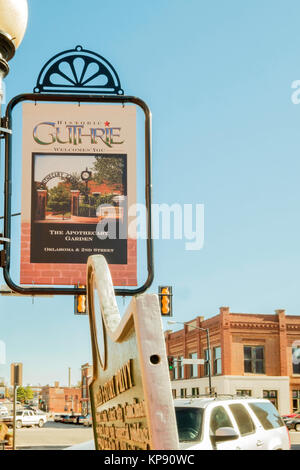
[(107, 124)]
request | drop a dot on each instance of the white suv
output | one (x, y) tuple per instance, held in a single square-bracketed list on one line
[(230, 423)]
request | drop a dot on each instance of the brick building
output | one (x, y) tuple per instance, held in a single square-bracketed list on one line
[(251, 354), (61, 399), (86, 378)]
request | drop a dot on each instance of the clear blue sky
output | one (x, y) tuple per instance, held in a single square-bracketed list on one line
[(217, 76)]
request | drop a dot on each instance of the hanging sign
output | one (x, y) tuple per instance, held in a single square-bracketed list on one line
[(79, 179), (131, 394)]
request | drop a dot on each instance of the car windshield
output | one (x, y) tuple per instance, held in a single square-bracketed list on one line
[(189, 423)]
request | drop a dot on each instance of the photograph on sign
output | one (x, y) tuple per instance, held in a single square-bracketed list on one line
[(131, 396), (79, 179)]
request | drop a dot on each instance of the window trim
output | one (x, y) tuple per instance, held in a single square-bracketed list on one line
[(192, 366), (296, 374), (215, 360), (253, 360)]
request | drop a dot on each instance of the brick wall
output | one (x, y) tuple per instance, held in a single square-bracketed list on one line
[(232, 331), (72, 274), (55, 399)]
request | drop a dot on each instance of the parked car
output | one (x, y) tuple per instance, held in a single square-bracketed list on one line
[(286, 419), (26, 418), (70, 419), (65, 418), (291, 415), (230, 423), (80, 419), (3, 411), (59, 418), (293, 423), (88, 420)]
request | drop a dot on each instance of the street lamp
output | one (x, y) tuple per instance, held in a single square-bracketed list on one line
[(172, 322), (13, 23)]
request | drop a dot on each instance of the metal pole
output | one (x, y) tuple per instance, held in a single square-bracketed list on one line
[(209, 361), (208, 349), (14, 417)]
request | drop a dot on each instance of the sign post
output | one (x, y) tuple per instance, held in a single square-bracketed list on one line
[(131, 394), (192, 362), (16, 373)]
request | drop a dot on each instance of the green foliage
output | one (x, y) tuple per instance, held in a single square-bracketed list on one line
[(59, 200), (24, 394), (103, 199), (110, 169), (76, 183), (88, 209)]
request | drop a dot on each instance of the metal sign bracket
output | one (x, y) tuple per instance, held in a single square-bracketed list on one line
[(83, 76), (4, 128)]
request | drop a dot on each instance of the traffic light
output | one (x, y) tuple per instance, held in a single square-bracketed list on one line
[(165, 294), (16, 374), (171, 362), (80, 307)]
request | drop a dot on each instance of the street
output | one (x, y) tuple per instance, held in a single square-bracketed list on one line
[(58, 436), (295, 440), (53, 436)]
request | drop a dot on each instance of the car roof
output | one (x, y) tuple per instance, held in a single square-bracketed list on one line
[(205, 401)]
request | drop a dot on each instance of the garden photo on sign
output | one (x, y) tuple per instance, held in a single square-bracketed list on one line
[(71, 194), (61, 194)]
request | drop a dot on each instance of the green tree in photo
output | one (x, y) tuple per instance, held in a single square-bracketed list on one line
[(110, 169), (59, 200), (76, 183)]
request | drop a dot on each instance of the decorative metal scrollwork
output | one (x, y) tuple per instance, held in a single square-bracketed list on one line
[(78, 71)]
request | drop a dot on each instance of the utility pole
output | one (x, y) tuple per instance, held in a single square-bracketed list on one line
[(14, 416), (209, 369), (16, 372), (69, 377)]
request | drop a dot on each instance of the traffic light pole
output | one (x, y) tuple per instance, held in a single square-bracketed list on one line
[(171, 322), (209, 361), (14, 416)]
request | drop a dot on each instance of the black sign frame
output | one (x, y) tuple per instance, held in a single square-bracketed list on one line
[(37, 97)]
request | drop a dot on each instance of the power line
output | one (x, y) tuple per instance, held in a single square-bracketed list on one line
[(13, 215)]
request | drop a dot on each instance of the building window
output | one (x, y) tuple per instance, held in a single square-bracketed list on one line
[(296, 400), (175, 370), (296, 360), (183, 393), (254, 360), (206, 363), (180, 368), (271, 395), (174, 393), (217, 367), (193, 367), (244, 393), (195, 392)]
